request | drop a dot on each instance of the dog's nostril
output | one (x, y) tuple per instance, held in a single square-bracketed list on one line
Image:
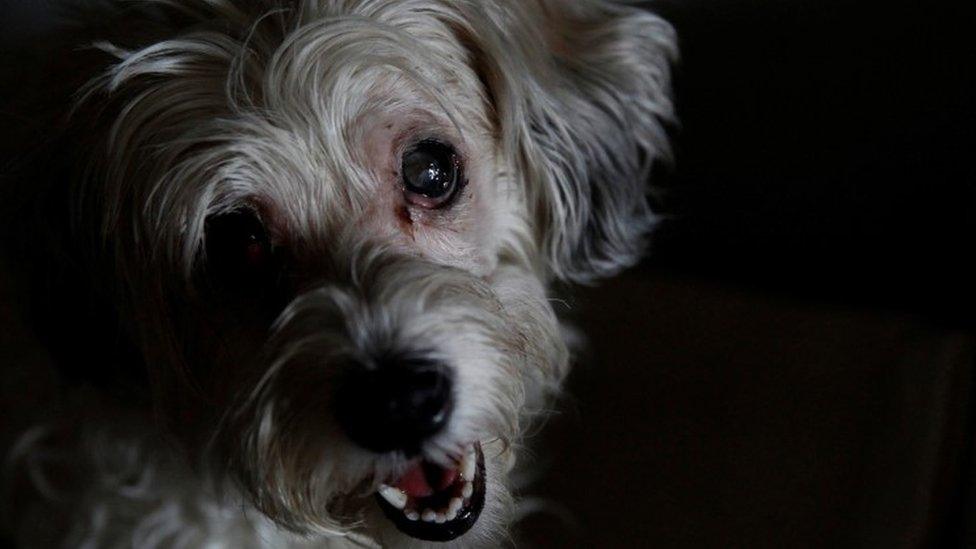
[(395, 405)]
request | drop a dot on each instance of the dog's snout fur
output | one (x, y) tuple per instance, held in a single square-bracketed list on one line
[(327, 230)]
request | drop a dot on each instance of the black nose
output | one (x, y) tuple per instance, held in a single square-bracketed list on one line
[(394, 404)]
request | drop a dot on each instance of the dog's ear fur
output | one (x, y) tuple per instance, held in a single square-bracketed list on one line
[(583, 99)]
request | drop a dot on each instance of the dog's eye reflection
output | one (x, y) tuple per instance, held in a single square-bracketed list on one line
[(431, 173), (239, 252)]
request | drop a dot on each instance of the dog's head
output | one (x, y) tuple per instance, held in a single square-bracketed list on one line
[(333, 223)]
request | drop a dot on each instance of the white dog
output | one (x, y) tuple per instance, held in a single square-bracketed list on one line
[(317, 237)]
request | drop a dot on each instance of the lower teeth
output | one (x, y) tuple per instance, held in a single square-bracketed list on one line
[(444, 515), (466, 469)]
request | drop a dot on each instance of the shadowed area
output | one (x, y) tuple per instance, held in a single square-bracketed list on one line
[(793, 366), (704, 415)]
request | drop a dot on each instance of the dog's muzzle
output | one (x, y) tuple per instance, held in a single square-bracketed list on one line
[(397, 406)]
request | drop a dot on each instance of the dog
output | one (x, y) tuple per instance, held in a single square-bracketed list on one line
[(291, 261)]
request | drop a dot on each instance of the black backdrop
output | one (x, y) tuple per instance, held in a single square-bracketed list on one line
[(826, 147), (793, 364)]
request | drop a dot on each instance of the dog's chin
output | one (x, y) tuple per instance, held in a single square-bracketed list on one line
[(431, 502)]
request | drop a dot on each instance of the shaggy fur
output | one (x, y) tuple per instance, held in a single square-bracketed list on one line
[(204, 419)]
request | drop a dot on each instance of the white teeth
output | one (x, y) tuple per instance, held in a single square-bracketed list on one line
[(438, 517), (467, 471), (395, 497), (468, 465)]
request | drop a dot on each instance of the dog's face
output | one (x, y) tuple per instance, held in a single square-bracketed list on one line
[(334, 222)]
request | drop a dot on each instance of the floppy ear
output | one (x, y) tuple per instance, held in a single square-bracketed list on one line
[(583, 95)]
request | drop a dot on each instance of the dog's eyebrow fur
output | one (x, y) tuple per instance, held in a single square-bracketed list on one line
[(233, 102)]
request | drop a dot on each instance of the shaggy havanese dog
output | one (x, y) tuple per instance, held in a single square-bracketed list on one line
[(290, 261)]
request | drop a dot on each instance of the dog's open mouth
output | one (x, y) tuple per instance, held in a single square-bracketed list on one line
[(432, 503)]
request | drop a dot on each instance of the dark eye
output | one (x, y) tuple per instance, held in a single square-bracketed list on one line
[(431, 172), (239, 252)]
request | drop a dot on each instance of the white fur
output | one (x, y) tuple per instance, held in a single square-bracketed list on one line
[(301, 110)]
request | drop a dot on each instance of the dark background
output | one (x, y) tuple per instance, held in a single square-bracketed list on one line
[(793, 365), (827, 148)]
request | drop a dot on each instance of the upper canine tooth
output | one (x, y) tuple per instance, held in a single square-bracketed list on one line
[(468, 465), (395, 497)]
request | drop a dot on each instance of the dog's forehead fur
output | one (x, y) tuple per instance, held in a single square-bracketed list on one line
[(301, 113)]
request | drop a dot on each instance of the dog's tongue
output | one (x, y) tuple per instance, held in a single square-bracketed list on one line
[(423, 479)]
